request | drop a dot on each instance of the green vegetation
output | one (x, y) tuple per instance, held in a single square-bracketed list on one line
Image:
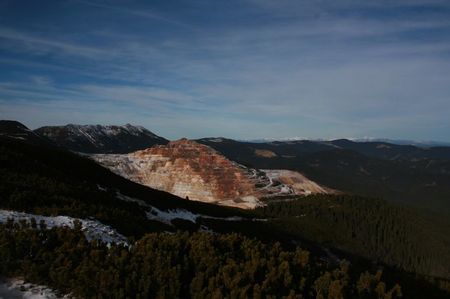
[(241, 260), (367, 227), (180, 265)]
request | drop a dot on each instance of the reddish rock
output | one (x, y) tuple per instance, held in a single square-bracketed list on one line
[(190, 169)]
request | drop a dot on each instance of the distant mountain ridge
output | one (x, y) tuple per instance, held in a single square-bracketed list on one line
[(418, 143), (101, 138), (376, 149), (401, 173)]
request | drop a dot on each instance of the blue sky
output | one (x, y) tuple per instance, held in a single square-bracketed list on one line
[(239, 69)]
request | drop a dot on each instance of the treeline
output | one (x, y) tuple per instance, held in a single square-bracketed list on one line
[(180, 265), (367, 227)]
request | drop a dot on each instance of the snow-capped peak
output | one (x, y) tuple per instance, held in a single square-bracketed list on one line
[(101, 138)]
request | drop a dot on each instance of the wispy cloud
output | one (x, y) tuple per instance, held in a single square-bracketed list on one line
[(135, 12), (41, 80), (296, 67), (45, 45)]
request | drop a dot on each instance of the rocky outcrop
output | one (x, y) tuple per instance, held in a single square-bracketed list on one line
[(196, 171), (265, 153), (188, 169), (299, 184)]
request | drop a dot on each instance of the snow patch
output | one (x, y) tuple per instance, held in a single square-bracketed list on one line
[(154, 213), (140, 202), (168, 216), (101, 188), (18, 289), (92, 229), (217, 140)]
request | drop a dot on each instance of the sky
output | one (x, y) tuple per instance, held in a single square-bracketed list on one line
[(244, 69)]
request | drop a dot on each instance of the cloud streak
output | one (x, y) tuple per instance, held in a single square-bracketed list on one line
[(134, 12), (265, 70)]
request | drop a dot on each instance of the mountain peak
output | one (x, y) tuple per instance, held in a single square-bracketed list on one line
[(183, 142), (185, 149), (188, 169), (12, 124), (101, 138)]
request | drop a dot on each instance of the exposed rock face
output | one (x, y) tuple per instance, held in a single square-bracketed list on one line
[(300, 184), (189, 169), (265, 153)]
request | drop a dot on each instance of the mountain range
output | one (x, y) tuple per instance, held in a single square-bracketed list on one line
[(101, 139), (316, 195), (399, 173), (425, 143)]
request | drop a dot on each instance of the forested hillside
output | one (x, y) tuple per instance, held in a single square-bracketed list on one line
[(367, 227), (403, 174), (48, 181), (186, 265)]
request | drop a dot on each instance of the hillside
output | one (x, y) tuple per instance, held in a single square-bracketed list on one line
[(47, 183), (422, 183), (367, 227), (16, 130), (192, 170), (184, 266)]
